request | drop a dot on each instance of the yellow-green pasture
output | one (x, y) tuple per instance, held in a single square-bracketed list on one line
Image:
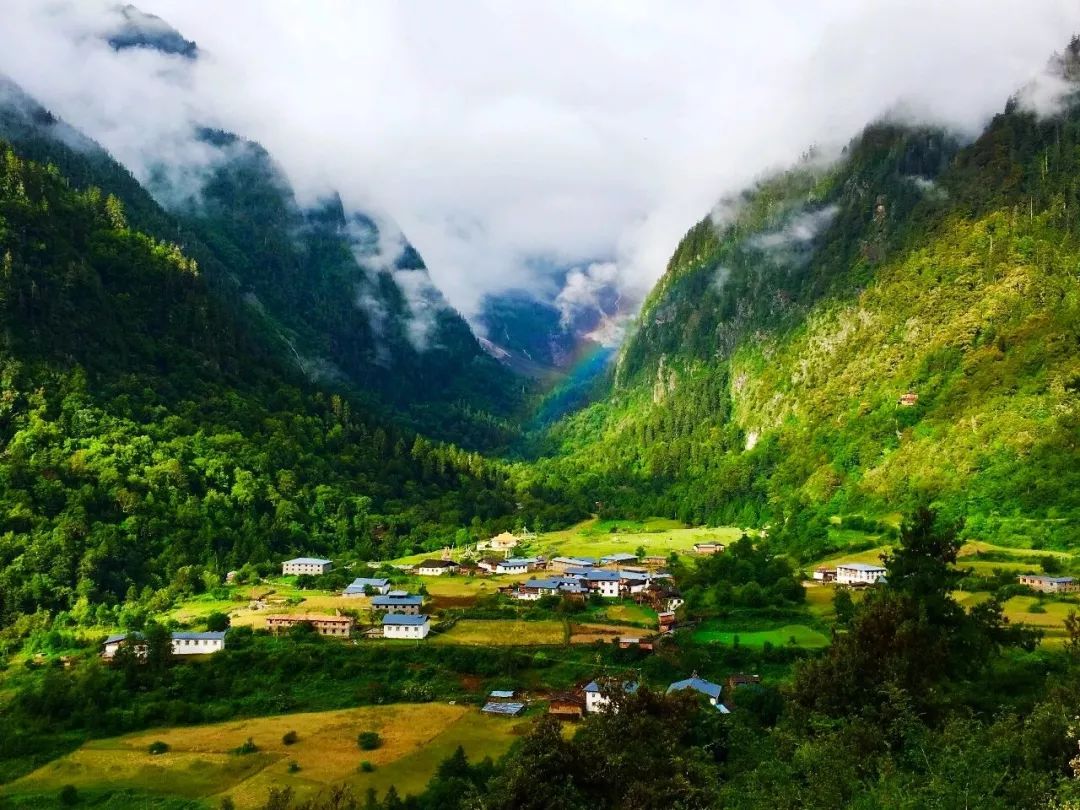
[(200, 764)]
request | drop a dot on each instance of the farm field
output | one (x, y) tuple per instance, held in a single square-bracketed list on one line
[(781, 636), (200, 765), (500, 632)]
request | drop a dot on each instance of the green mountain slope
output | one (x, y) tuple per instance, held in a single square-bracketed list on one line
[(146, 434), (314, 281), (765, 377)]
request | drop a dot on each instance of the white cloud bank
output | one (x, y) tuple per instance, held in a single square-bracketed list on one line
[(504, 136)]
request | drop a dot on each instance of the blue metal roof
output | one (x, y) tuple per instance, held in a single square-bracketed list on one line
[(360, 583), (698, 685), (510, 709), (211, 635), (619, 556), (398, 618), (308, 560), (502, 693), (380, 601), (603, 576), (860, 566), (543, 583), (630, 687), (518, 561)]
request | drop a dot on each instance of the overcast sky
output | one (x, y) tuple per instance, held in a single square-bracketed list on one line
[(507, 136)]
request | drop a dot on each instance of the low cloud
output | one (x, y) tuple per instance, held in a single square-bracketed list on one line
[(796, 233), (492, 153)]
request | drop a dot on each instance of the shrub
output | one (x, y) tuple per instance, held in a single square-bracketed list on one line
[(217, 621), (289, 737), (294, 766), (69, 795), (248, 747), (1036, 607), (366, 766), (158, 747), (368, 740)]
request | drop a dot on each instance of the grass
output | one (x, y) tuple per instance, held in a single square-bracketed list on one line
[(416, 738), (780, 636), (499, 632)]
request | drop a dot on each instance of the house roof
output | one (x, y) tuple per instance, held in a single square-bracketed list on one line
[(630, 687), (408, 599), (308, 561), (543, 583), (360, 583), (576, 560), (698, 685), (857, 566), (518, 561), (400, 619), (1049, 580), (577, 570), (437, 564), (635, 575), (210, 635), (397, 593), (502, 693), (504, 708), (115, 637), (619, 556), (603, 576)]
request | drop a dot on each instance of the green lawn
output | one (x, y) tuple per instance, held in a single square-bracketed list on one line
[(500, 632), (804, 636)]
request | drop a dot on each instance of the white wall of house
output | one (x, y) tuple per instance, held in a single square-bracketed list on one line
[(607, 588), (413, 631), (197, 646), (432, 572), (858, 576), (596, 701), (288, 568)]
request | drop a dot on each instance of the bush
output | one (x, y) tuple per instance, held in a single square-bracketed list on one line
[(294, 766), (69, 795), (248, 747), (368, 740), (158, 747), (289, 737), (217, 621), (366, 766)]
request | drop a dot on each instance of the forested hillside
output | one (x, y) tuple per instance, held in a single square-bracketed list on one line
[(148, 435), (349, 305), (768, 372)]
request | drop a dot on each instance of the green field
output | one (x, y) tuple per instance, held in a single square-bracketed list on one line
[(710, 632), (200, 765)]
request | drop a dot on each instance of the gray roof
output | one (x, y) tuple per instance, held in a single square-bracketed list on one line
[(360, 583), (437, 564), (1050, 580), (630, 687), (115, 637), (634, 575), (551, 584), (504, 708), (619, 556), (518, 561), (860, 566), (210, 635), (698, 685), (502, 693), (308, 561), (605, 576), (380, 601), (398, 618), (576, 560)]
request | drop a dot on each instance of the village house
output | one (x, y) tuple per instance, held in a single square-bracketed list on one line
[(626, 642), (908, 400), (708, 548), (306, 565), (361, 586), (396, 625), (183, 643), (598, 698), (824, 574), (655, 561), (502, 702), (398, 602), (566, 706), (858, 574), (323, 624), (605, 583), (436, 568), (666, 620), (561, 564), (617, 558), (500, 542), (1046, 584), (673, 603), (707, 688), (489, 564), (631, 582), (739, 681), (515, 565)]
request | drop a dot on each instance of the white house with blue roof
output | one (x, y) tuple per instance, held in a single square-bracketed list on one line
[(605, 583), (361, 586), (183, 643), (856, 573), (703, 687), (397, 625), (598, 696), (515, 565), (305, 565)]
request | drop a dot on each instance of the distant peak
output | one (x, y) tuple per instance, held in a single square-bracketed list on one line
[(137, 29)]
